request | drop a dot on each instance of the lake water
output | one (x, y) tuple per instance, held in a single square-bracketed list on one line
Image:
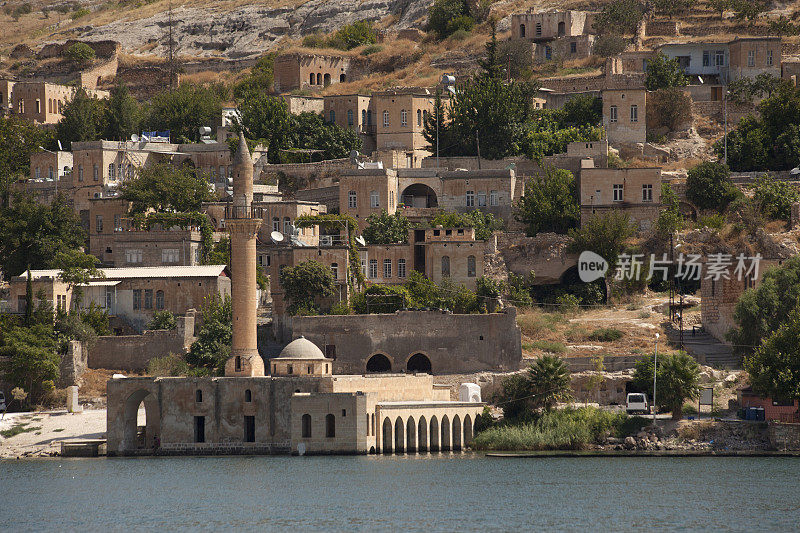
[(458, 492)]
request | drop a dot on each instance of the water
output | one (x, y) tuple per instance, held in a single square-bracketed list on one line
[(459, 492)]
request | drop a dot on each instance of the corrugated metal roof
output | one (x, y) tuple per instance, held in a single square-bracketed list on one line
[(204, 271)]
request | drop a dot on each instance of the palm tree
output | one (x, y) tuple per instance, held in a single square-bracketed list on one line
[(678, 380), (549, 382)]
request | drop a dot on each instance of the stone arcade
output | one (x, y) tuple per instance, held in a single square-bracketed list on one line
[(302, 408)]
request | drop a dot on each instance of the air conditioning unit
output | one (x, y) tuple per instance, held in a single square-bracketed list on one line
[(326, 240)]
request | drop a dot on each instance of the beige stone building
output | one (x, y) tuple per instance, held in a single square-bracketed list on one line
[(635, 191), (51, 166), (297, 103), (310, 71), (355, 112), (555, 34), (625, 115), (724, 62), (400, 119), (39, 101)]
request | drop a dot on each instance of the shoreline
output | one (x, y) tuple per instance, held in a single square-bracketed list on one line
[(643, 453)]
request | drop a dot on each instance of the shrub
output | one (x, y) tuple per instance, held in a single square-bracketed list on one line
[(353, 35), (446, 17), (606, 335), (163, 320), (340, 308), (619, 17), (774, 198), (315, 40), (567, 303), (79, 13), (170, 365), (459, 35), (609, 45), (372, 49), (715, 221), (549, 346), (80, 53), (669, 108), (708, 186)]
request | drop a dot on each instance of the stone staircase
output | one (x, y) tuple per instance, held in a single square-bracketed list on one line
[(706, 349)]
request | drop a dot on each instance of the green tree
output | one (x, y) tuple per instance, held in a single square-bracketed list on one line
[(708, 186), (32, 234), (748, 10), (19, 139), (212, 348), (672, 8), (720, 6), (604, 234), (83, 119), (260, 79), (669, 108), (422, 291), (77, 269), (670, 219), (32, 362), (310, 131), (485, 224), (620, 17), (609, 45), (549, 382), (445, 17), (221, 253), (774, 367), (80, 53), (266, 119), (380, 299), (163, 320), (774, 198), (184, 110), (383, 228), (582, 110), (164, 187), (122, 114), (354, 35), (305, 282), (513, 397), (549, 203), (663, 72), (677, 380)]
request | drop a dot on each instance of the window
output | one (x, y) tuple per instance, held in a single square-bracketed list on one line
[(330, 426), (287, 225), (98, 223), (493, 199), (237, 364), (363, 117), (148, 298), (335, 270), (222, 174), (385, 119), (419, 117), (538, 28), (319, 78), (612, 113), (249, 428), (769, 58), (111, 173), (373, 199), (470, 198), (445, 266), (117, 222), (373, 268), (573, 47), (169, 255), (471, 266), (160, 300), (332, 115), (306, 426), (617, 192), (401, 268), (80, 172), (634, 113), (311, 79), (289, 369), (481, 199), (403, 117), (199, 429), (38, 106), (133, 256), (364, 267), (387, 268), (352, 200), (719, 58), (647, 193), (276, 224), (248, 396), (522, 30), (95, 173), (50, 172), (706, 58), (751, 58), (198, 396), (369, 117), (137, 299), (391, 199)]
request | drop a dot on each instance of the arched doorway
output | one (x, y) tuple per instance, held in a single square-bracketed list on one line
[(456, 433), (411, 435), (142, 422), (387, 436), (342, 78), (419, 195), (379, 363), (399, 436), (445, 445), (419, 362), (434, 435), (562, 29), (327, 79), (422, 435), (468, 431)]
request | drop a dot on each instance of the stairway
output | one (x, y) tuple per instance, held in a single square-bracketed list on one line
[(705, 348)]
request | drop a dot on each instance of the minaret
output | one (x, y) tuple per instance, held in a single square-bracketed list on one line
[(243, 227)]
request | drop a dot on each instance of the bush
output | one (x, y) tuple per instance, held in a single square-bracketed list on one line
[(162, 320), (549, 346), (715, 221), (609, 45), (605, 335), (79, 13), (567, 303), (669, 108), (170, 365), (340, 308), (372, 49), (353, 35), (663, 73), (774, 198), (315, 40), (708, 186), (446, 17), (619, 17), (80, 53)]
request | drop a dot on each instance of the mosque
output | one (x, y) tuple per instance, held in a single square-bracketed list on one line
[(301, 407)]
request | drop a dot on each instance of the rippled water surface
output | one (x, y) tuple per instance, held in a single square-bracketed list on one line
[(416, 493)]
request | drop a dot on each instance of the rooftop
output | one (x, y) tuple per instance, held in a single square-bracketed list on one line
[(204, 271)]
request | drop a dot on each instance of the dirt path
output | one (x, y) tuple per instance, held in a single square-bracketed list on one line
[(42, 432)]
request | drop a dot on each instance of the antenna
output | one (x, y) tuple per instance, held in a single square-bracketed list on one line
[(276, 236), (360, 240)]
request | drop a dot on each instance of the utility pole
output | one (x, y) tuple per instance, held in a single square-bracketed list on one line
[(478, 143), (655, 372), (171, 51), (725, 106)]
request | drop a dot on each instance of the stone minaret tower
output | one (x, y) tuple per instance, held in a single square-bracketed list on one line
[(243, 227)]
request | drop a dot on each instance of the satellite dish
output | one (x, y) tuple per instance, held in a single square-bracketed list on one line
[(135, 138), (700, 79), (360, 240), (276, 237)]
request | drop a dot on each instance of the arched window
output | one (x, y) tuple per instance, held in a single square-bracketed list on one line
[(419, 117), (237, 363), (369, 117), (327, 79), (330, 426), (335, 270), (363, 116), (198, 396), (349, 117), (373, 199), (287, 223), (319, 78), (471, 266), (276, 224), (248, 396), (522, 30), (111, 171), (385, 119), (306, 426), (403, 117), (342, 78), (352, 201), (445, 266), (160, 300), (332, 115), (311, 79)]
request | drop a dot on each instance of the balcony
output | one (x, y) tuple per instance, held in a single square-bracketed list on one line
[(239, 212)]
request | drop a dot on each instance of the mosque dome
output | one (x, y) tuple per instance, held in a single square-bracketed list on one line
[(301, 348)]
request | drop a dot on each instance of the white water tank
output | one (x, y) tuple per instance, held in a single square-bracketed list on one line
[(469, 392)]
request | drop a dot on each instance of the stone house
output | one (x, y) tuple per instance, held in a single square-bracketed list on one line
[(354, 112), (51, 166), (40, 101), (723, 62), (635, 191), (625, 114), (310, 71), (297, 103), (400, 119), (555, 34)]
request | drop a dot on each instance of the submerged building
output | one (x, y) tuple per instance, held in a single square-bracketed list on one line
[(301, 408)]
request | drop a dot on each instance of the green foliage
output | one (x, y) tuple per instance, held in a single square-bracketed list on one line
[(170, 365), (774, 367), (83, 119), (619, 17), (604, 234), (609, 45), (762, 310), (77, 269), (774, 198), (97, 318), (340, 308), (720, 6), (79, 13), (485, 224), (221, 252), (19, 138), (669, 108), (714, 221), (783, 26), (123, 114), (582, 110), (708, 186), (305, 282), (663, 73), (184, 110), (379, 299), (354, 35), (678, 379), (549, 202), (546, 382), (383, 228), (260, 79), (212, 348), (31, 358), (336, 223), (309, 130), (166, 188), (745, 90), (670, 219), (554, 347), (519, 54), (672, 8), (563, 429), (162, 320), (567, 303), (445, 17), (605, 335), (72, 327), (33, 234), (748, 9), (80, 53), (489, 287)]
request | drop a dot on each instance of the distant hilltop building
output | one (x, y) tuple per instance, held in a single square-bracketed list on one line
[(312, 72), (555, 34)]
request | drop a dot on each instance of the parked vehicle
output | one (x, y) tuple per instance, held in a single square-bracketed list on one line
[(636, 402)]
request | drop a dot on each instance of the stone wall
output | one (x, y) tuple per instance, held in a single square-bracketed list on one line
[(133, 352), (783, 436), (101, 48), (452, 343), (73, 364), (665, 28), (545, 254), (92, 77)]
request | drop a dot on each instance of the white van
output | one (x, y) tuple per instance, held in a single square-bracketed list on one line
[(636, 402)]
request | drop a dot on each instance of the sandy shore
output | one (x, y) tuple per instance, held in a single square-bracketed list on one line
[(44, 431)]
